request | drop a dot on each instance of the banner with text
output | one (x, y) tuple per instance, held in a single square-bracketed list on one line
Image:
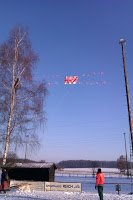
[(57, 186)]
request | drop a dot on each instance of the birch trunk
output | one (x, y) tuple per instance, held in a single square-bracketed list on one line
[(9, 120)]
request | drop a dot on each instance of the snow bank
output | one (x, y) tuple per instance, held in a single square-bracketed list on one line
[(36, 195)]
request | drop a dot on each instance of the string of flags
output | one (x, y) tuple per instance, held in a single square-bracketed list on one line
[(83, 79), (80, 80), (79, 83), (82, 75)]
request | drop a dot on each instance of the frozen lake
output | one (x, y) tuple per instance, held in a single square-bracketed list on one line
[(88, 183)]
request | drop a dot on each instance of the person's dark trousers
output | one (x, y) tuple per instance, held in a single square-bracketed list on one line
[(100, 192)]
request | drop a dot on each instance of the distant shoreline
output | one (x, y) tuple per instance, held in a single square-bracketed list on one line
[(108, 172)]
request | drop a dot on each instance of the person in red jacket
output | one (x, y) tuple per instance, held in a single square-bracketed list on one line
[(99, 183), (3, 180)]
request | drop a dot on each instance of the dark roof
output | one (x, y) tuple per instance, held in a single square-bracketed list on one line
[(30, 165)]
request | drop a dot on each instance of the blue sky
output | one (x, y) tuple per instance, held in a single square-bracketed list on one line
[(77, 38)]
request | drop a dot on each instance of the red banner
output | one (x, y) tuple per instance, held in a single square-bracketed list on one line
[(71, 79)]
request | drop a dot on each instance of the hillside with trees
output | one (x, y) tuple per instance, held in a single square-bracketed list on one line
[(87, 164)]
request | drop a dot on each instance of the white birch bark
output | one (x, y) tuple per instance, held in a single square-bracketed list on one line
[(12, 96)]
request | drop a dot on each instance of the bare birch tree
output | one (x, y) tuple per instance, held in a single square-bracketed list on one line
[(21, 98)]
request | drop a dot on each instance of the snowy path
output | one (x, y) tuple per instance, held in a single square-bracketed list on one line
[(61, 196)]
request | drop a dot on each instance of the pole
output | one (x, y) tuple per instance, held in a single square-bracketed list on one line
[(126, 155), (26, 142), (25, 150), (122, 42)]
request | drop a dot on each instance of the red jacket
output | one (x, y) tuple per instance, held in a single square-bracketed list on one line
[(100, 179)]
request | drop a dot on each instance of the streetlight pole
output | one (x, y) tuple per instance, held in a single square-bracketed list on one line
[(122, 42), (126, 154)]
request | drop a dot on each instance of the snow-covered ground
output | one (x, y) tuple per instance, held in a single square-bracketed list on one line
[(36, 195), (108, 172), (115, 170), (88, 183), (88, 190)]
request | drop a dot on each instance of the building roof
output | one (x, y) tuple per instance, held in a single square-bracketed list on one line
[(30, 165)]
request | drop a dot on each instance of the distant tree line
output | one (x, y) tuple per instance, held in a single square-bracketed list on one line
[(121, 163), (87, 164)]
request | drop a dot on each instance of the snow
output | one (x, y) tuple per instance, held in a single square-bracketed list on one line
[(88, 190), (108, 172), (40, 195)]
